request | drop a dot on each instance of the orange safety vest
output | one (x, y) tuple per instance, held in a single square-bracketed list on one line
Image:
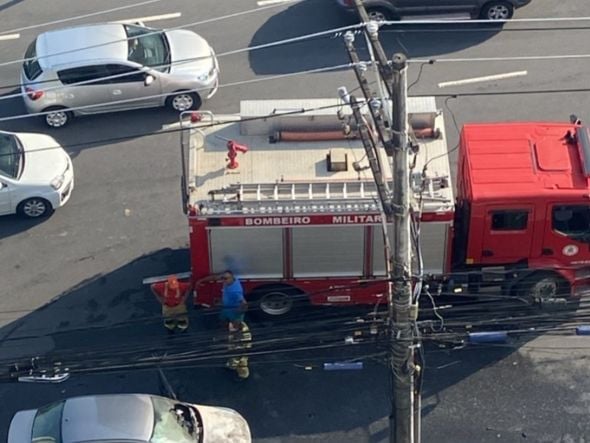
[(172, 297)]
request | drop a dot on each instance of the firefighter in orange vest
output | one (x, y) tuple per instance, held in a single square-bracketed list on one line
[(172, 295)]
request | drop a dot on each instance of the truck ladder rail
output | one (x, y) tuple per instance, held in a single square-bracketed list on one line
[(293, 197), (296, 191), (358, 195)]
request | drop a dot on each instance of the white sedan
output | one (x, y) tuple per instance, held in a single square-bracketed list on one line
[(36, 175), (137, 418)]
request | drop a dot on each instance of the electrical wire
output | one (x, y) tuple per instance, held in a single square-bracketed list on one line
[(227, 85), (191, 25), (404, 23), (329, 337), (417, 80), (503, 59), (180, 129), (78, 17)]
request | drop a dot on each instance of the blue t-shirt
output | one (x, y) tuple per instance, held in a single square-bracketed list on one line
[(233, 294)]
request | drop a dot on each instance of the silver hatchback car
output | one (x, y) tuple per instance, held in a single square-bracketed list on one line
[(115, 67)]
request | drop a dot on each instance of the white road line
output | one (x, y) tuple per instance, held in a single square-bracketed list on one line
[(9, 36), (273, 2), (486, 78), (152, 18)]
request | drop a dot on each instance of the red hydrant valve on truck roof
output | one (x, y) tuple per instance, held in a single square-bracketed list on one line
[(232, 152)]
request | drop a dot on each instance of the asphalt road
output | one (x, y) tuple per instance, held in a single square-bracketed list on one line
[(74, 281)]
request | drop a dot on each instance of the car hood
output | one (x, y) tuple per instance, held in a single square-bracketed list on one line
[(221, 425), (21, 427), (45, 159), (186, 45)]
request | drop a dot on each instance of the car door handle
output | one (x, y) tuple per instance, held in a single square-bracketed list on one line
[(116, 92)]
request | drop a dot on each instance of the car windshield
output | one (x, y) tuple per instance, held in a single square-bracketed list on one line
[(11, 156), (174, 422), (47, 423), (147, 48), (31, 65)]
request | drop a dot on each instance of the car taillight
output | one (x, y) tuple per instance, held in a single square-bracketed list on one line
[(34, 94)]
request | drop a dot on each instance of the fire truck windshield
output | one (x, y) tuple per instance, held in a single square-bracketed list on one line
[(573, 221)]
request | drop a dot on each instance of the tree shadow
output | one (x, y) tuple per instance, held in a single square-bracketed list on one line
[(86, 132), (314, 16)]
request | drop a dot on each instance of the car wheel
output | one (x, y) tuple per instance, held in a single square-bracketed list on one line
[(184, 101), (497, 10), (57, 117), (34, 207), (379, 14)]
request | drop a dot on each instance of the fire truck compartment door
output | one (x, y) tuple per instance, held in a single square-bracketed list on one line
[(249, 252), (507, 234), (328, 251), (433, 238)]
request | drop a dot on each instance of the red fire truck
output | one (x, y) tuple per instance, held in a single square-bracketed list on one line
[(287, 201)]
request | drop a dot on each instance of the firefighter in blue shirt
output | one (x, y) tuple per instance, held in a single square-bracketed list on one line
[(233, 303)]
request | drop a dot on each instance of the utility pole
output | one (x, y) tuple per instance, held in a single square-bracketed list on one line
[(405, 416), (407, 421)]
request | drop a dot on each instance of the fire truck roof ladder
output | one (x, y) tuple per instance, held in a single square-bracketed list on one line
[(294, 196)]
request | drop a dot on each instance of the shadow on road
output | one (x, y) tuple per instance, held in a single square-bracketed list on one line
[(103, 328), (13, 224), (10, 4), (88, 131), (314, 16)]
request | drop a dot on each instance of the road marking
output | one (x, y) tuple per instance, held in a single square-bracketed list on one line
[(273, 2), (152, 18), (486, 78), (9, 36), (170, 126)]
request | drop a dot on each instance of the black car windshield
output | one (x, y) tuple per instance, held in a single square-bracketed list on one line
[(11, 156), (174, 422), (148, 48), (47, 423)]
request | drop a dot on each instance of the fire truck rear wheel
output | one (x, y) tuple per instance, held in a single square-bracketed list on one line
[(272, 302), (543, 288)]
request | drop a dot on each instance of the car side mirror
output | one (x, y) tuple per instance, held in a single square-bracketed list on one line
[(148, 80)]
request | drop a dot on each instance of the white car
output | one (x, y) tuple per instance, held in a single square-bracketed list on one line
[(132, 418), (36, 175)]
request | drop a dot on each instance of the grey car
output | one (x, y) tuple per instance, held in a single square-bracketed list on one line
[(137, 418), (379, 10), (115, 67)]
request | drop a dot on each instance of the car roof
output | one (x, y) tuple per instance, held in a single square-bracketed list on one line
[(108, 417), (78, 44)]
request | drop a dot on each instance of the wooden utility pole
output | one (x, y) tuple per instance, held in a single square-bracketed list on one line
[(405, 415)]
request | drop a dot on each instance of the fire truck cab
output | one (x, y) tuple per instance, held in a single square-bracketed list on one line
[(287, 201), (523, 209)]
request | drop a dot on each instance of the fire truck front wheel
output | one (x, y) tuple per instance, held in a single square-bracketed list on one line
[(272, 302), (545, 289)]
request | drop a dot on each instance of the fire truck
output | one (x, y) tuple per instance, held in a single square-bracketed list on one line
[(287, 201)]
